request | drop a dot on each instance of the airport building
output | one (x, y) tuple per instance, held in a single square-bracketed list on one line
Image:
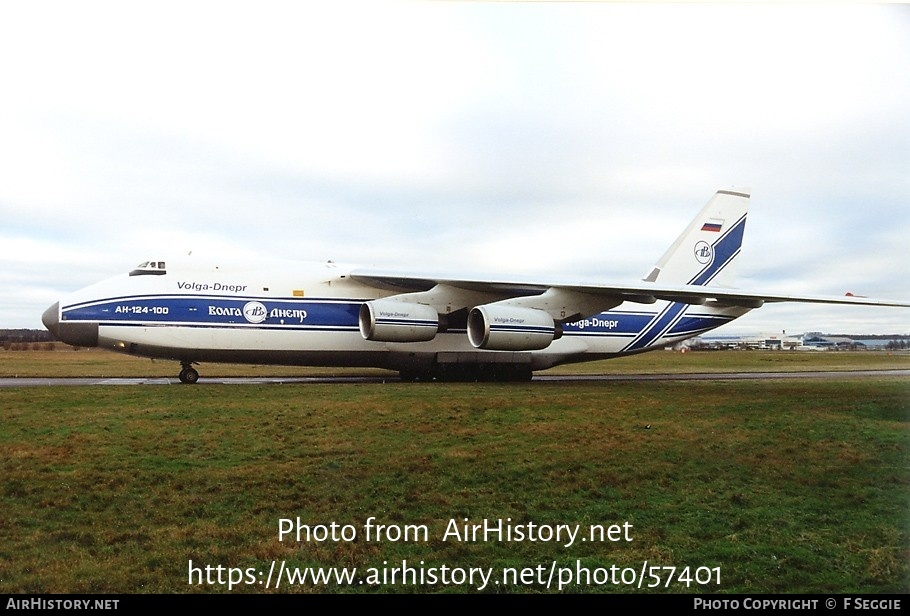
[(811, 341), (776, 342)]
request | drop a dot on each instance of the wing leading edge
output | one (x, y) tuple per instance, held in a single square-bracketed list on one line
[(637, 292)]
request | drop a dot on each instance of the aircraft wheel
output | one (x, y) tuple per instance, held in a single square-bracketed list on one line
[(188, 376)]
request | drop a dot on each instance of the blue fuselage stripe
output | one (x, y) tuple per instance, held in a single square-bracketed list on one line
[(341, 315), (201, 310)]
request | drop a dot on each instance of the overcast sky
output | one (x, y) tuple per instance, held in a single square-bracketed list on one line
[(567, 139)]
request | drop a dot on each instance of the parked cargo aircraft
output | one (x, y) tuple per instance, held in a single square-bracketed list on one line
[(426, 326)]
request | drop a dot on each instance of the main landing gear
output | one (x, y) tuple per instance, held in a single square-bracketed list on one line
[(188, 375)]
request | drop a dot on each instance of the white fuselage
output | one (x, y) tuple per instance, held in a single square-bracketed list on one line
[(309, 316)]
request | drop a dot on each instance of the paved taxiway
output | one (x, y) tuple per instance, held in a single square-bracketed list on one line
[(701, 376)]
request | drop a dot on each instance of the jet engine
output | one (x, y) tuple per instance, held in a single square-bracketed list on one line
[(511, 328), (385, 320)]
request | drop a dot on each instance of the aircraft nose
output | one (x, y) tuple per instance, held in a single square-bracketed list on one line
[(51, 319), (78, 333)]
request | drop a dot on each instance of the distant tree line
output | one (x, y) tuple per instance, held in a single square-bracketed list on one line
[(26, 340)]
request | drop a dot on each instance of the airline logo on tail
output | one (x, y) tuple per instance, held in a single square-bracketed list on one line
[(703, 253)]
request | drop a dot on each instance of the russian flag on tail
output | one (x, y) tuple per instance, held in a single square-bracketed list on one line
[(714, 224)]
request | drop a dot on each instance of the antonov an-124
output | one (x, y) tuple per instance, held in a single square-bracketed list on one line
[(425, 326)]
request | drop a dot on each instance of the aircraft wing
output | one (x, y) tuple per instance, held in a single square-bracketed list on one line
[(588, 297)]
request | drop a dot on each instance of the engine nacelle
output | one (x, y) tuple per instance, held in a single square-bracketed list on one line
[(510, 328), (384, 320)]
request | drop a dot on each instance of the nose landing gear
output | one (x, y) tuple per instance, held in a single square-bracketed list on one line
[(188, 375)]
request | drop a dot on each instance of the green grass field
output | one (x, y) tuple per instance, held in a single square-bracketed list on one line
[(796, 486), (100, 363)]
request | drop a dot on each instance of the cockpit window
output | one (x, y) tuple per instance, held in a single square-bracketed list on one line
[(150, 268)]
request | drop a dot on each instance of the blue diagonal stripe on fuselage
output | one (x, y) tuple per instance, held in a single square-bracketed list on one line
[(694, 324), (658, 325)]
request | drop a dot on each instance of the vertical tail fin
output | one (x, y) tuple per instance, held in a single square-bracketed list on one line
[(704, 252)]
